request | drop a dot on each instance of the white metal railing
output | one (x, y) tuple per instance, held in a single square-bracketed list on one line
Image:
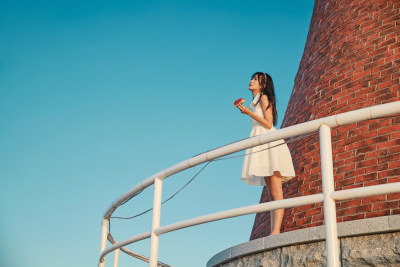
[(328, 196)]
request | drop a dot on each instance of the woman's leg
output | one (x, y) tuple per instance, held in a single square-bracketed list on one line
[(272, 212), (274, 186)]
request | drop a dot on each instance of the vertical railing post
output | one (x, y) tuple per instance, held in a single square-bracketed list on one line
[(103, 241), (328, 187), (116, 257), (155, 222)]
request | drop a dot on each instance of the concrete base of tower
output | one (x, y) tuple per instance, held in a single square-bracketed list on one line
[(368, 242)]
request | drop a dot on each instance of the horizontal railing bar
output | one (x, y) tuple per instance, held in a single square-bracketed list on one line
[(291, 131), (366, 191), (278, 204), (125, 242)]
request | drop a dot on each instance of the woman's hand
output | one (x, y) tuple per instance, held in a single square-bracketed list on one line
[(266, 119), (244, 109)]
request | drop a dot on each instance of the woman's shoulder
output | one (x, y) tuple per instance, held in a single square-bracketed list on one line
[(264, 101), (264, 97)]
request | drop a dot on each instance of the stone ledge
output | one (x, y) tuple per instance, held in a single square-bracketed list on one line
[(313, 234)]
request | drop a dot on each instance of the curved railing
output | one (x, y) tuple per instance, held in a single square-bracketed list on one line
[(328, 197)]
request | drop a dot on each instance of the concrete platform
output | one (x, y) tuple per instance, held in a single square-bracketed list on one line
[(367, 242)]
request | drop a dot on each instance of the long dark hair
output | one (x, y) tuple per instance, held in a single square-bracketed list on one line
[(267, 88)]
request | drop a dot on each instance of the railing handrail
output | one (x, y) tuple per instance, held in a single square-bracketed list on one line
[(289, 132)]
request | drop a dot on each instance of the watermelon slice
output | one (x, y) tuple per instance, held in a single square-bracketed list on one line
[(238, 102)]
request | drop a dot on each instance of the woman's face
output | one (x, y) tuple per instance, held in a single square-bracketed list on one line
[(255, 84)]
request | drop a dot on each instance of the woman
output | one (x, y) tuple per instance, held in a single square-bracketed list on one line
[(269, 164)]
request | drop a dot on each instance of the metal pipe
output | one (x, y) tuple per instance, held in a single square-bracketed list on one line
[(128, 241), (366, 191), (155, 222), (263, 207), (328, 186), (385, 109), (103, 240), (116, 257)]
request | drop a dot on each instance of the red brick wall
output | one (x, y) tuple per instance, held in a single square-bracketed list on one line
[(351, 60)]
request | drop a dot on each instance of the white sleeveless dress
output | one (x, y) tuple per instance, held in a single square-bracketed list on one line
[(264, 160)]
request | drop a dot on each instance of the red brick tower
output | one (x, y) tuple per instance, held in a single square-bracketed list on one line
[(351, 60)]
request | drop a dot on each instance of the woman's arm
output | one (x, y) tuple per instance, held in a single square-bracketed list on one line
[(266, 122)]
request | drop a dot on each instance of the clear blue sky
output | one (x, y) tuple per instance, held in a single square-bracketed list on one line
[(96, 96)]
